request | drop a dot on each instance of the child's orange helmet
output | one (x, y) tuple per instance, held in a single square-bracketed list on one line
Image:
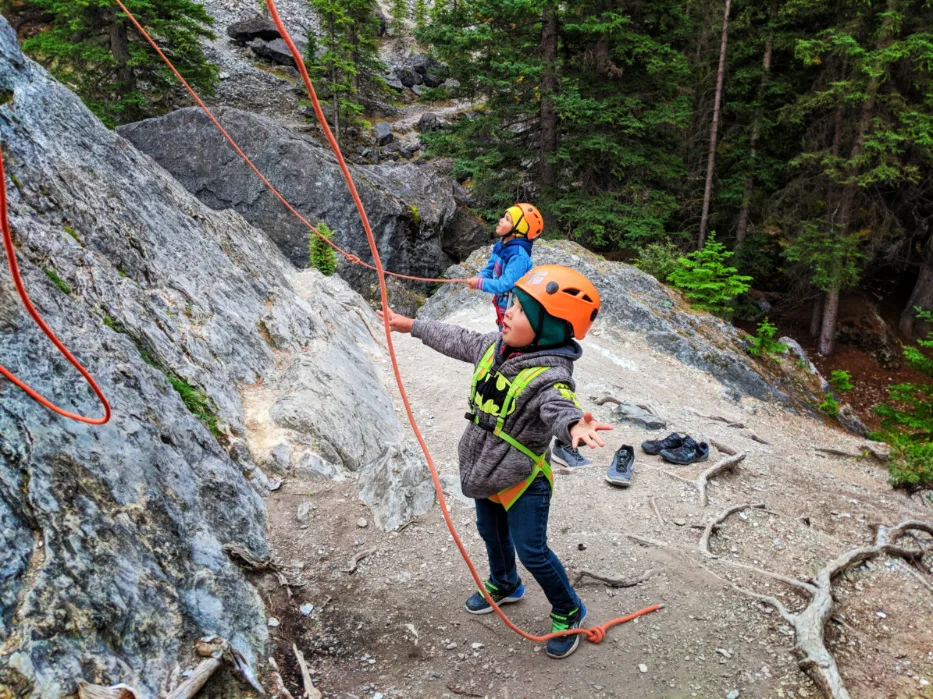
[(564, 293), (526, 221)]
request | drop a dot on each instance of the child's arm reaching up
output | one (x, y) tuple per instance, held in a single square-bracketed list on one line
[(452, 340)]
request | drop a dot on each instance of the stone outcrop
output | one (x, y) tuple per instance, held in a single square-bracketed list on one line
[(112, 536), (257, 27), (633, 301), (409, 204)]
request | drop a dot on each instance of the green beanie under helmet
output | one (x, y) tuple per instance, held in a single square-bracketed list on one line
[(549, 331)]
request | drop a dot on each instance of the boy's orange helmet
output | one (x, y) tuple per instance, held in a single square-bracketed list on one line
[(564, 293), (527, 221)]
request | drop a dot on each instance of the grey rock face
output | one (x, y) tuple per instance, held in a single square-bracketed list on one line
[(433, 80), (465, 234), (424, 64), (636, 302), (257, 27), (383, 133), (111, 536), (398, 487), (428, 122), (188, 145), (277, 50), (409, 77), (639, 415)]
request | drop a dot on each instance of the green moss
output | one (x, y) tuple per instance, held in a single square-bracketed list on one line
[(6, 96), (57, 280), (15, 180), (121, 272), (197, 402), (415, 214), (71, 231), (115, 325)]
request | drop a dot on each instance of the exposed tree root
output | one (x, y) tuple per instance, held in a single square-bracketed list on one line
[(311, 692), (654, 506), (612, 582), (356, 560), (281, 692), (716, 418), (702, 481), (86, 690), (808, 624), (715, 523)]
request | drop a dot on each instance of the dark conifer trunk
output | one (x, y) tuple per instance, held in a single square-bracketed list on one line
[(922, 296), (742, 225), (548, 112), (714, 127), (120, 49)]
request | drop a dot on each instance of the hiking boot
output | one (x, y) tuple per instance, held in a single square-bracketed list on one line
[(568, 456), (654, 447), (477, 603), (687, 453), (562, 646), (620, 472)]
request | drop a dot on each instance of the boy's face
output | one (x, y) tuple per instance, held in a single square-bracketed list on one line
[(516, 330), (505, 225)]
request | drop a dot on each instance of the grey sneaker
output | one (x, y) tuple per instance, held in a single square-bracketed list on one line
[(568, 456), (620, 472)]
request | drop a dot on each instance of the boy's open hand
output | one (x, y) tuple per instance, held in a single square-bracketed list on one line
[(397, 322), (587, 430)]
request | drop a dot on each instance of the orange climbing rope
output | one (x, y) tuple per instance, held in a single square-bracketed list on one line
[(351, 258), (21, 290)]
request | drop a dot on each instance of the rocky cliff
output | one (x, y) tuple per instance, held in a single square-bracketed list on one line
[(409, 204), (112, 536)]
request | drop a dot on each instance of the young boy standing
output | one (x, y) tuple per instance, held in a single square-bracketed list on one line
[(511, 256), (522, 395), (509, 262)]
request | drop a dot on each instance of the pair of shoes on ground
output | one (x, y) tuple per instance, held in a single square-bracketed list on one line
[(620, 470), (677, 449), (559, 647)]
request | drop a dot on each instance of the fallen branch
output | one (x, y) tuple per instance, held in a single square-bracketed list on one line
[(702, 481), (86, 690), (717, 521), (716, 418), (612, 582), (199, 677), (245, 558), (463, 692), (356, 560), (813, 656), (604, 400), (644, 541), (837, 451), (755, 438), (311, 692), (724, 448), (654, 506), (281, 692)]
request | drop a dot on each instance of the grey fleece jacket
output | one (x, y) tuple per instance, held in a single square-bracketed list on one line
[(487, 463)]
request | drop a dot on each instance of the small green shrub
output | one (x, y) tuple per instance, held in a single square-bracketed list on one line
[(764, 344), (57, 281), (321, 255), (830, 406), (71, 231), (415, 214), (706, 280), (907, 423), (841, 380), (197, 402), (659, 259)]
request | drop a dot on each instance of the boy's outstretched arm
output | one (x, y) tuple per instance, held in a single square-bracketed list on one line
[(451, 340), (568, 422)]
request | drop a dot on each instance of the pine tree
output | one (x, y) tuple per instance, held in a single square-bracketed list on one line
[(420, 13), (399, 12), (348, 60), (707, 280), (92, 47)]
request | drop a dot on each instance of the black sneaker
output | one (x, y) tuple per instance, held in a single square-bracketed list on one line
[(620, 472), (654, 447), (687, 453), (477, 603)]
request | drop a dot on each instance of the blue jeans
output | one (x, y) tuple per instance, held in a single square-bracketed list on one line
[(523, 530)]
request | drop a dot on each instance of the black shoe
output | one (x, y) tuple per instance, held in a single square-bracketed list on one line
[(620, 472), (654, 447), (687, 453)]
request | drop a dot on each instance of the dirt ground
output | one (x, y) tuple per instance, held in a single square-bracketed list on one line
[(396, 628)]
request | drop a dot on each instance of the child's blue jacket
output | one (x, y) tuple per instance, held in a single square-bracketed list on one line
[(507, 264)]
